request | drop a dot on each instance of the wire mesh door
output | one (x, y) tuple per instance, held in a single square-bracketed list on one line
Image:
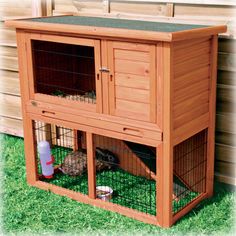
[(65, 68), (126, 173), (69, 159)]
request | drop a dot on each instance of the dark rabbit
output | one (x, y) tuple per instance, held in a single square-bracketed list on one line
[(75, 163)]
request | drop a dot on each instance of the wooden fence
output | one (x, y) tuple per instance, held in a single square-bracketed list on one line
[(183, 11)]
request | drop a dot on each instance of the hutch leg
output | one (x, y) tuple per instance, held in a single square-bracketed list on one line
[(211, 127), (91, 166), (30, 151), (164, 184), (165, 160)]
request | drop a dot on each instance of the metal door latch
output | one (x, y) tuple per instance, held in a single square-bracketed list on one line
[(104, 69)]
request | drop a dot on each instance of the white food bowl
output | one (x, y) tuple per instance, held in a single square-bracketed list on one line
[(104, 193)]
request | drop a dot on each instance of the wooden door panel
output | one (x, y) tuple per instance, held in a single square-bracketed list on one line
[(132, 84)]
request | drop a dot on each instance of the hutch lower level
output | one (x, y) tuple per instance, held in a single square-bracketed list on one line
[(125, 104)]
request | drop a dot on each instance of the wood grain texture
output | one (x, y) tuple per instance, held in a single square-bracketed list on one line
[(128, 160), (96, 202), (11, 126), (191, 82), (133, 95), (166, 181), (91, 166), (9, 82), (132, 87), (10, 106), (212, 112)]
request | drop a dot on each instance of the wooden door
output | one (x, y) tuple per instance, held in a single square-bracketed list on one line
[(65, 71), (132, 82)]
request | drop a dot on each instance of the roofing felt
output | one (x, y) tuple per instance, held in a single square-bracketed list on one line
[(117, 23)]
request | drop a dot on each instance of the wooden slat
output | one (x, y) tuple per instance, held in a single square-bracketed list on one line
[(8, 51), (10, 106), (189, 43), (132, 94), (191, 77), (202, 2), (9, 82), (7, 35), (14, 11), (11, 126), (8, 63), (82, 6), (136, 107), (95, 202), (165, 188), (226, 93), (13, 3), (191, 128), (91, 166), (226, 61), (226, 77), (170, 9), (189, 115), (131, 46), (225, 107), (132, 115), (206, 10), (225, 178), (225, 122), (138, 8), (190, 91), (106, 6), (226, 168), (131, 55), (191, 52), (226, 138), (130, 67), (106, 91), (227, 45), (211, 122), (189, 104), (132, 81), (192, 64), (225, 153)]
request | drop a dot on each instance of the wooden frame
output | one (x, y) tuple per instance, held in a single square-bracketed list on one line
[(167, 70), (66, 40)]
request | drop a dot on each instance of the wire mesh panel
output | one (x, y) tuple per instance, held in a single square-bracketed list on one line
[(70, 160), (189, 170), (125, 173), (64, 70)]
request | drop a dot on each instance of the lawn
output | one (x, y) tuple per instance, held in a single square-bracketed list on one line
[(27, 209)]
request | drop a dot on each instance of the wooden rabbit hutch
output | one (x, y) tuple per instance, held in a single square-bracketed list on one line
[(125, 104)]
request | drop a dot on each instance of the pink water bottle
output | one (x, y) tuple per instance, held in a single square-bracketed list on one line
[(46, 159)]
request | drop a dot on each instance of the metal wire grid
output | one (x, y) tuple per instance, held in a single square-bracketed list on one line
[(189, 170), (62, 142), (64, 70), (132, 181), (128, 173)]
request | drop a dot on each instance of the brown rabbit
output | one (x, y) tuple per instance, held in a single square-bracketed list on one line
[(75, 163)]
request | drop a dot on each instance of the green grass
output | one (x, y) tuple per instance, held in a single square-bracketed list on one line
[(31, 210)]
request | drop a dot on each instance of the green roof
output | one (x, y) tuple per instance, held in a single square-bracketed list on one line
[(117, 23)]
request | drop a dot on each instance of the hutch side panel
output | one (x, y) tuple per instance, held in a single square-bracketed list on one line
[(191, 86), (132, 85)]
